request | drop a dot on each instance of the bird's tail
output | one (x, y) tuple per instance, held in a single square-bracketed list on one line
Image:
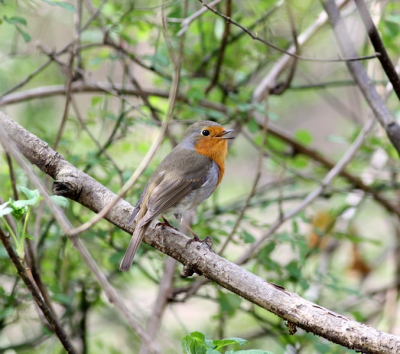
[(134, 244)]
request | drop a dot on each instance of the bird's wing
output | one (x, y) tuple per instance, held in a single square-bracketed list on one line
[(175, 185)]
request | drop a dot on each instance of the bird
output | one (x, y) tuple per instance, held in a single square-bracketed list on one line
[(186, 177)]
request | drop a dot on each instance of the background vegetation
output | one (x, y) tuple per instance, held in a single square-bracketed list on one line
[(92, 79)]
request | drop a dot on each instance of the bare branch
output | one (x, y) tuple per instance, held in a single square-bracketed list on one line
[(379, 46), (359, 74)]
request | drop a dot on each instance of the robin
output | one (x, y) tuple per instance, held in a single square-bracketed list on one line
[(186, 177)]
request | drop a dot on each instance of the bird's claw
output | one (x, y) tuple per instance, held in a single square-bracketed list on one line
[(207, 241), (166, 223)]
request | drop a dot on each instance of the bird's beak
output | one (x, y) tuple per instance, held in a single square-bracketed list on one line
[(222, 135)]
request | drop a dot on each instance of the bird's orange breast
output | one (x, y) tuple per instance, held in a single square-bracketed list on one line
[(216, 149)]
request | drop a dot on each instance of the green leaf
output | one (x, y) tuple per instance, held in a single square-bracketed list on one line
[(194, 343), (245, 107), (6, 312), (304, 284), (62, 299), (26, 36), (299, 161), (294, 269), (248, 238), (252, 126), (195, 94), (393, 18), (4, 210), (21, 204), (96, 100), (276, 143), (266, 251), (18, 209), (15, 20), (61, 4), (198, 336), (303, 136), (30, 194), (60, 201), (218, 344)]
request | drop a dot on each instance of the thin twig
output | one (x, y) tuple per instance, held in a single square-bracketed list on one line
[(257, 38), (34, 267), (283, 86), (70, 77), (12, 176), (329, 84), (335, 171), (27, 79), (36, 295), (187, 21), (221, 51), (78, 23)]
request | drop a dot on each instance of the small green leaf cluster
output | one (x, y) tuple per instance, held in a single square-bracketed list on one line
[(20, 210), (196, 343)]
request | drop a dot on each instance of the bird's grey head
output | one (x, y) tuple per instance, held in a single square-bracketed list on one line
[(194, 132)]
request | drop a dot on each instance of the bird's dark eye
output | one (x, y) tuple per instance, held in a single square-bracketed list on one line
[(205, 132)]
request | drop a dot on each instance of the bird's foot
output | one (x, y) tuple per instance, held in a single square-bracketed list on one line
[(207, 241), (166, 223)]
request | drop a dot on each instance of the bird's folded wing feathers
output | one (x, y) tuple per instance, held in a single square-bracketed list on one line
[(174, 188)]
